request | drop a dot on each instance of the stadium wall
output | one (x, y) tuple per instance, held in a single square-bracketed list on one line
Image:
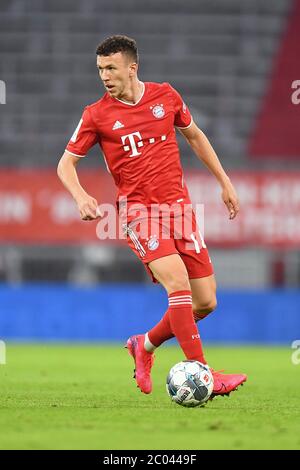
[(57, 312)]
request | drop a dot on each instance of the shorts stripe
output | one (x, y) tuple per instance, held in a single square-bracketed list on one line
[(136, 242)]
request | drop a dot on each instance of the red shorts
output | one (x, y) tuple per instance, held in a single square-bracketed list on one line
[(154, 237)]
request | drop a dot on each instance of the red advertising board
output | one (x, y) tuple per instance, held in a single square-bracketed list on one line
[(36, 209), (269, 209)]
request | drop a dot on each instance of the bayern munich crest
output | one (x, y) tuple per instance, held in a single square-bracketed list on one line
[(158, 111), (153, 243)]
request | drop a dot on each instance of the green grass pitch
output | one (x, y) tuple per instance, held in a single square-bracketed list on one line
[(83, 397)]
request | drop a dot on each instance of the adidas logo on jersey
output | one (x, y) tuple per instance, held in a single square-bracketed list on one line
[(117, 125)]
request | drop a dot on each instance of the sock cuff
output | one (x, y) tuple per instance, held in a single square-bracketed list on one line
[(180, 298), (180, 292)]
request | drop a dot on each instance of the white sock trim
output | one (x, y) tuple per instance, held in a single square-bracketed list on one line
[(148, 345)]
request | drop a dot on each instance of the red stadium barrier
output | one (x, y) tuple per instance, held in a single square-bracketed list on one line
[(276, 131), (269, 210), (36, 209)]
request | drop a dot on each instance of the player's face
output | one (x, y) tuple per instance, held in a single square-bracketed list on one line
[(115, 72)]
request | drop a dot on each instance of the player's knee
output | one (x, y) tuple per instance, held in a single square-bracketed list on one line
[(176, 283), (203, 308)]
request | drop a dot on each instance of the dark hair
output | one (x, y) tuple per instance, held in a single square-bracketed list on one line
[(118, 43)]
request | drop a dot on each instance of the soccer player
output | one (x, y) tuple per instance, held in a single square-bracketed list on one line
[(134, 124)]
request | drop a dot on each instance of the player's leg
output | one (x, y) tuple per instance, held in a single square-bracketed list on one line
[(202, 282), (200, 270), (148, 249), (196, 258), (204, 296), (171, 273), (178, 321), (204, 302)]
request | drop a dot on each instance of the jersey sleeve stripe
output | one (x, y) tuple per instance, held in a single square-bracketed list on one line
[(178, 127), (75, 154)]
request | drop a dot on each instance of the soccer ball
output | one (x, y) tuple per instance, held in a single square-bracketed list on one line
[(190, 383)]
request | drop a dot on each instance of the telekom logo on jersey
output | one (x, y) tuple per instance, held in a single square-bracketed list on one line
[(135, 143), (132, 143)]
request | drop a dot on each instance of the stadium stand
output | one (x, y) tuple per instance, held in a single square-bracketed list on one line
[(218, 54)]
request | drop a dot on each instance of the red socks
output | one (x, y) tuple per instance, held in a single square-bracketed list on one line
[(179, 321), (161, 332)]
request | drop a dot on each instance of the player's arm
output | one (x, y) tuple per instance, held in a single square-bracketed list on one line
[(204, 151), (66, 170)]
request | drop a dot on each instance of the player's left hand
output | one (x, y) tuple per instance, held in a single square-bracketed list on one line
[(230, 199)]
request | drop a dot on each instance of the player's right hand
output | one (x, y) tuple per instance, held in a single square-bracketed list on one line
[(88, 208)]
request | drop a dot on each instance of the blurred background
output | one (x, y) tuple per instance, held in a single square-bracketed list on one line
[(236, 64)]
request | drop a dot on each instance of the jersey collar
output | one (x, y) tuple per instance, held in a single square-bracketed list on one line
[(133, 104)]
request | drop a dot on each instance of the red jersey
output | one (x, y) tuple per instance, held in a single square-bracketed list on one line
[(138, 142)]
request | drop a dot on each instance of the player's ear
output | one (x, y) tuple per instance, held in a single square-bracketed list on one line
[(133, 68)]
